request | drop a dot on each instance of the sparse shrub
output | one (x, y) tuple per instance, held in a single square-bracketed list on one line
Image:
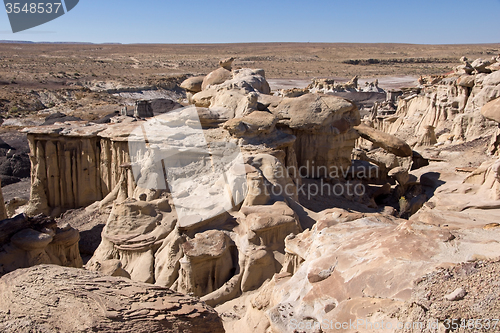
[(403, 205)]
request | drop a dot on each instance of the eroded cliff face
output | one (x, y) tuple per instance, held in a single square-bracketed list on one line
[(76, 163), (72, 166), (451, 105), (199, 199), (203, 200), (215, 257)]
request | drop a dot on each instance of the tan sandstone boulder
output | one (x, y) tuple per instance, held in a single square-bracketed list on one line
[(491, 110), (389, 142), (193, 84), (218, 76), (314, 111)]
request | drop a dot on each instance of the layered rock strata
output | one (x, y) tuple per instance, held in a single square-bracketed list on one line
[(46, 298)]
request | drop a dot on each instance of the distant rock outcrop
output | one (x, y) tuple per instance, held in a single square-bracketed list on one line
[(450, 104)]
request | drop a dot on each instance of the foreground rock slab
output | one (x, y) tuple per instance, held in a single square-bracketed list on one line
[(50, 298)]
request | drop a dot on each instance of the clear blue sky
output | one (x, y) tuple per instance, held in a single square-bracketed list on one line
[(147, 21)]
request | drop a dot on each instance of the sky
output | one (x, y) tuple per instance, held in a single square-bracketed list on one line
[(351, 21)]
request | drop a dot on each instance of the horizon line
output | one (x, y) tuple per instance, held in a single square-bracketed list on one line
[(234, 43)]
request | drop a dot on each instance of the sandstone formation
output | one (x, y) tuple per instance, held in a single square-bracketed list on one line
[(172, 220), (350, 267), (491, 110), (451, 104), (49, 298), (72, 167), (26, 242), (389, 142), (216, 77), (193, 84), (230, 199), (227, 63), (75, 164), (428, 138)]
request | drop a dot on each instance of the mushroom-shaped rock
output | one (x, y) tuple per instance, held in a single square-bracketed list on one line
[(389, 142), (491, 110), (66, 236), (466, 81), (193, 84), (314, 111), (29, 240), (207, 263), (257, 122)]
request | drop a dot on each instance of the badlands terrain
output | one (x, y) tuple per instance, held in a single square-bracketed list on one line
[(250, 188)]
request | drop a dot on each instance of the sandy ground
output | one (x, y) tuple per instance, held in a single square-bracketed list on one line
[(21, 190)]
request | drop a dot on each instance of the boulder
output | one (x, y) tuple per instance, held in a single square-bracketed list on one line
[(238, 101), (494, 67), (256, 123), (466, 81), (314, 112), (56, 299), (491, 110), (218, 76), (193, 84), (480, 65), (250, 79), (389, 142), (203, 98), (226, 63)]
